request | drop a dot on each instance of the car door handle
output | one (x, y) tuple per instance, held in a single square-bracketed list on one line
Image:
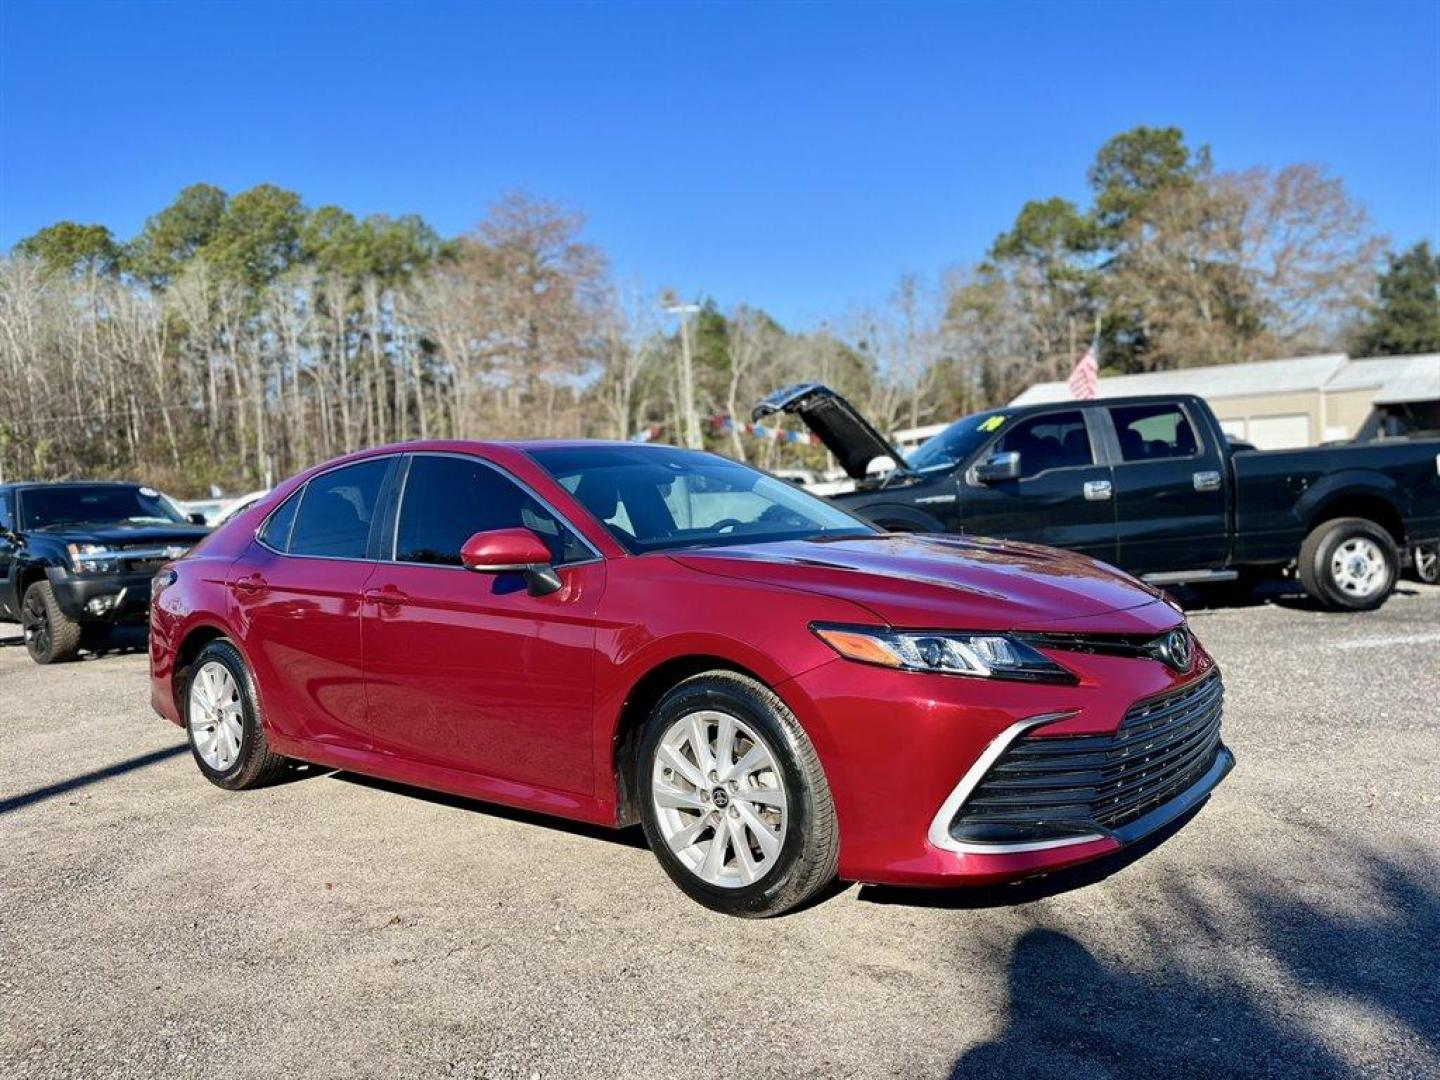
[(1209, 480), (1097, 490), (250, 584), (389, 596)]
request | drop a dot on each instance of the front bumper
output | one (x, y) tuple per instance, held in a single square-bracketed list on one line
[(105, 599), (903, 751)]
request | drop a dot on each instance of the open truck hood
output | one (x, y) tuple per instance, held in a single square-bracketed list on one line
[(836, 423)]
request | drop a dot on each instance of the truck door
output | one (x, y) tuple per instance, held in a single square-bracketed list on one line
[(1060, 495), (9, 604), (1170, 497)]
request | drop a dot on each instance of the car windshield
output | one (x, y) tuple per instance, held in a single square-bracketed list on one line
[(102, 504), (653, 498), (957, 442)]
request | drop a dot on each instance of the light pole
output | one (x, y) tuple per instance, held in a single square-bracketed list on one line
[(690, 421)]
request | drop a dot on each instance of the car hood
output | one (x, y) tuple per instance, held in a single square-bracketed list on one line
[(118, 533), (836, 423), (950, 582)]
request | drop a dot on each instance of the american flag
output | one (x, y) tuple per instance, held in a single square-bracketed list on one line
[(1085, 379)]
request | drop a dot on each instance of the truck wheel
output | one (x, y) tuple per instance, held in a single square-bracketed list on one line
[(50, 635), (1349, 564), (1425, 562)]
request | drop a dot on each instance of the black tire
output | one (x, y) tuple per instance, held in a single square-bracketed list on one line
[(51, 636), (255, 764), (1316, 563), (809, 850), (1425, 563)]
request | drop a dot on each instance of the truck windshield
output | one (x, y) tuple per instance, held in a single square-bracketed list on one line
[(655, 498), (957, 442), (102, 504)]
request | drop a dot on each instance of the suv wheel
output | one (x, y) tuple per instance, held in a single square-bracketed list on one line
[(1349, 563), (1425, 560), (733, 799), (51, 636), (222, 720)]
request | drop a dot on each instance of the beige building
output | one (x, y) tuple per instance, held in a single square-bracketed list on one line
[(1277, 404)]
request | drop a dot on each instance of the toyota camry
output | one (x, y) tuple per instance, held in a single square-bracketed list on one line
[(778, 692)]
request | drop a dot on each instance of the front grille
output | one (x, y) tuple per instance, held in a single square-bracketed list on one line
[(147, 557), (1050, 787)]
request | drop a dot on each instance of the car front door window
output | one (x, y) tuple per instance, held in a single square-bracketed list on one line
[(1050, 441), (449, 499)]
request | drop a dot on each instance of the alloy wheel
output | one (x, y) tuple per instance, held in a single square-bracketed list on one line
[(35, 623), (217, 720), (1358, 567), (719, 798)]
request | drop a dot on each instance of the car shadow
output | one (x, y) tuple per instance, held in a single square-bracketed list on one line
[(1206, 981), (631, 836)]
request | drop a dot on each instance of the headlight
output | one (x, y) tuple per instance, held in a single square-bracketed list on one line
[(93, 559), (988, 655)]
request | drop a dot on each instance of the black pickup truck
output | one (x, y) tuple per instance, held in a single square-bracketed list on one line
[(77, 558), (1149, 484)]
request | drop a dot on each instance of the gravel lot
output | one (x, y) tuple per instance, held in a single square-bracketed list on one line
[(151, 924)]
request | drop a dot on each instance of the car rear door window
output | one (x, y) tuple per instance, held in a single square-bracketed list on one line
[(1049, 441), (1153, 432), (336, 509), (449, 499), (275, 532)]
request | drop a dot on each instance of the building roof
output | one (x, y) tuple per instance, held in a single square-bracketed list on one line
[(1217, 381), (1396, 379), (1393, 378)]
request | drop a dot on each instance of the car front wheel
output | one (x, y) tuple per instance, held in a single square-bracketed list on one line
[(735, 804), (51, 636)]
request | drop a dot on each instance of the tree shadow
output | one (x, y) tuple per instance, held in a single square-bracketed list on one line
[(95, 776), (1247, 979)]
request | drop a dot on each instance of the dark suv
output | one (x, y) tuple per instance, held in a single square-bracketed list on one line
[(77, 558)]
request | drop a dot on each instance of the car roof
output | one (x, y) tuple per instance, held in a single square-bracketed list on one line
[(20, 485)]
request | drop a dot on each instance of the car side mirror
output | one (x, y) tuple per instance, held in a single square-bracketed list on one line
[(512, 551), (1001, 466), (196, 519)]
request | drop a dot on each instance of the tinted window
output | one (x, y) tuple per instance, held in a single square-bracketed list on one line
[(653, 497), (7, 518), (101, 504), (449, 499), (1050, 441), (1153, 432), (336, 509), (276, 531)]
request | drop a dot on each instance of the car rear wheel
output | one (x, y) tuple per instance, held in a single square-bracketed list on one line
[(735, 804), (51, 637), (222, 720), (1349, 563)]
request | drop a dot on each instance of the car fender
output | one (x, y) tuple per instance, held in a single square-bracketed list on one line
[(1348, 483)]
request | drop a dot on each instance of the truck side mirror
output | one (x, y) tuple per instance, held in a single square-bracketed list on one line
[(1001, 466)]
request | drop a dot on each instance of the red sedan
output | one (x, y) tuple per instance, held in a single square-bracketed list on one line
[(779, 692)]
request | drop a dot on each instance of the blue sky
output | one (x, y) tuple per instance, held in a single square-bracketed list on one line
[(800, 156)]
